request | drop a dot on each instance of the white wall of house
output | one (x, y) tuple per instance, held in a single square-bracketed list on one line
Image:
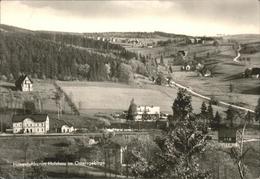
[(27, 85), (30, 126), (67, 129), (150, 110)]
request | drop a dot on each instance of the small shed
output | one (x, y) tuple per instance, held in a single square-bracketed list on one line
[(24, 83)]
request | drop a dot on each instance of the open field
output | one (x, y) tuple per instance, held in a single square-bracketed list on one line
[(43, 90), (111, 97)]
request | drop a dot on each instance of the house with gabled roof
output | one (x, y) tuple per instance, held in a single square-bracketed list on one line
[(31, 123), (61, 126), (24, 83)]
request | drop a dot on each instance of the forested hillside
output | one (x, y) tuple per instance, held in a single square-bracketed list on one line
[(45, 55), (82, 41)]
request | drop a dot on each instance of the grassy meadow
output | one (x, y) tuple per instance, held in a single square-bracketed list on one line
[(245, 91), (93, 97)]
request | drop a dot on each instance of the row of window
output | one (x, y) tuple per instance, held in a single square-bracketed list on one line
[(30, 130), (32, 125)]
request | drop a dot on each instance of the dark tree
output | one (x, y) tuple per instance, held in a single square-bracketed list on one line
[(215, 124), (232, 116), (203, 108), (210, 113), (132, 110), (160, 80), (257, 111), (204, 117), (231, 87), (29, 107), (182, 105), (161, 60), (179, 148)]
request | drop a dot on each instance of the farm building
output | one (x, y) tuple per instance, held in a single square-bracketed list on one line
[(32, 123), (61, 126), (227, 135), (67, 128), (24, 83), (132, 111), (186, 67), (183, 53), (148, 113)]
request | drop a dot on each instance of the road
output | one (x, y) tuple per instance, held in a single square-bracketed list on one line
[(238, 55), (91, 134)]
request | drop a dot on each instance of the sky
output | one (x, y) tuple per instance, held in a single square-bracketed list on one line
[(191, 17)]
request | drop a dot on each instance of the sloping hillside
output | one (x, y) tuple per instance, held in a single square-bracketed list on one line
[(57, 55)]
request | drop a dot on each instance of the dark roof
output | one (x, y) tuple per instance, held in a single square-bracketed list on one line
[(34, 117), (255, 71), (19, 81), (57, 123), (182, 52), (227, 132)]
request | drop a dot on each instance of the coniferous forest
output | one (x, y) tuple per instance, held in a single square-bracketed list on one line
[(60, 56)]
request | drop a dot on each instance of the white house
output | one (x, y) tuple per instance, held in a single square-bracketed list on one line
[(24, 83), (148, 113), (67, 128), (31, 123)]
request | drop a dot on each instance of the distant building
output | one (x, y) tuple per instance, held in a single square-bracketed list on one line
[(192, 40), (183, 53), (61, 126), (148, 113), (32, 123), (24, 83), (227, 136), (67, 128)]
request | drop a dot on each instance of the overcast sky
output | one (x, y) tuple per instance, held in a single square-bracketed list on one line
[(193, 17)]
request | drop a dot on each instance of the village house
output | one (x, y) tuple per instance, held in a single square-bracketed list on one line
[(31, 123), (227, 136), (61, 126), (192, 40), (148, 113), (183, 53), (67, 128), (186, 67), (24, 83)]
